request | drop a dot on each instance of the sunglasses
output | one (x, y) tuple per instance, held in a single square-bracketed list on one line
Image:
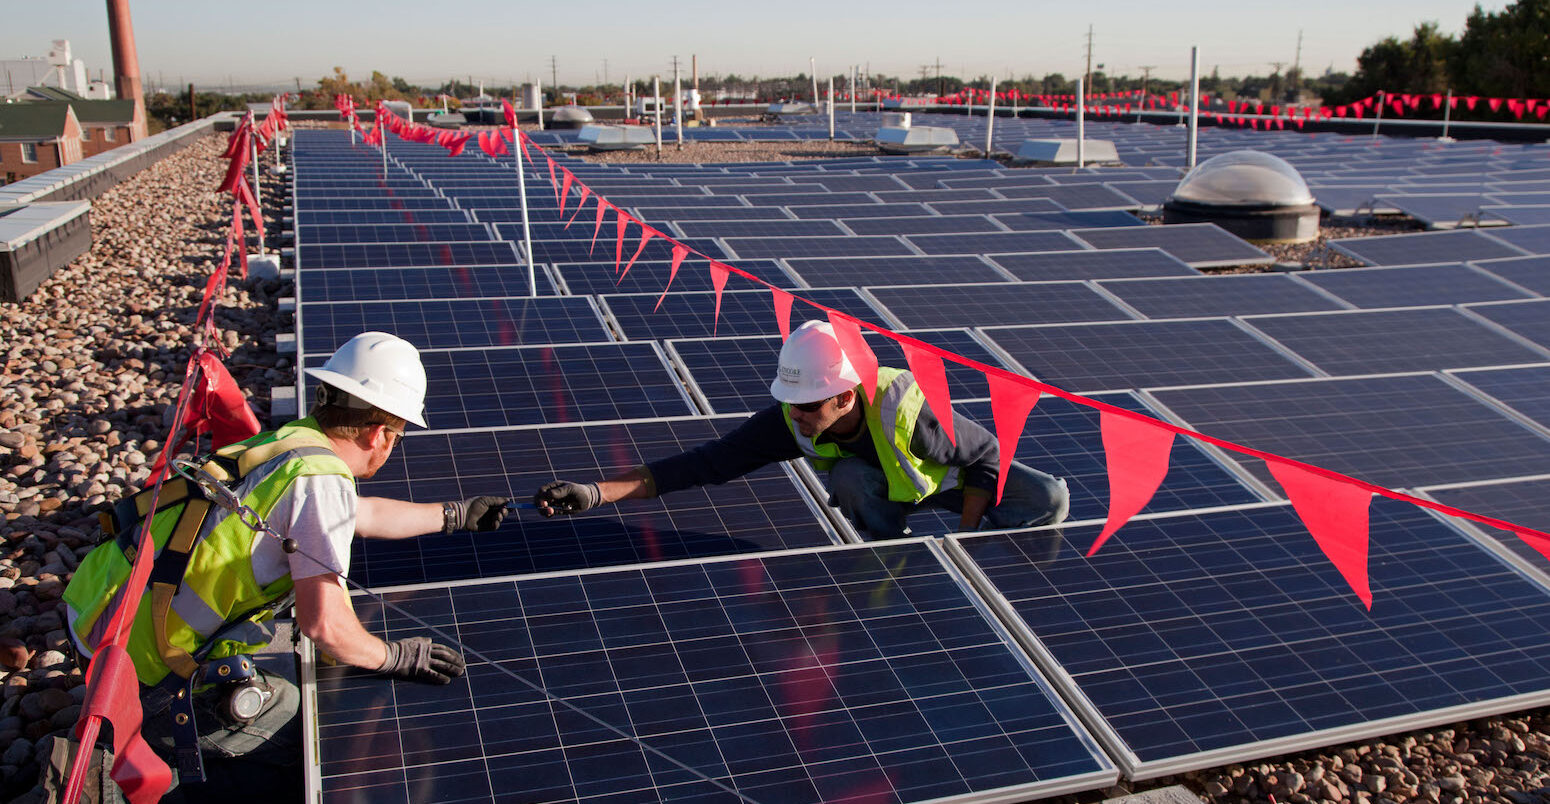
[(811, 407)]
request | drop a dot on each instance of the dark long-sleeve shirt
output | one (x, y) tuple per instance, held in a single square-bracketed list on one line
[(765, 438)]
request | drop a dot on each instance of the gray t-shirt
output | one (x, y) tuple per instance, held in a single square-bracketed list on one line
[(318, 511)]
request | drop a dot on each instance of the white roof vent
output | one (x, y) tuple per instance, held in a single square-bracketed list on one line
[(1244, 178)]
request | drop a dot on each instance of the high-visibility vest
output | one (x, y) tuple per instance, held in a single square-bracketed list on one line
[(890, 419), (203, 577)]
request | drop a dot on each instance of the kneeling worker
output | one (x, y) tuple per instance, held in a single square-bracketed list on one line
[(217, 581), (883, 458)]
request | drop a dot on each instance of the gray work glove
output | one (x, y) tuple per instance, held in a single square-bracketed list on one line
[(420, 659), (564, 497), (474, 513)]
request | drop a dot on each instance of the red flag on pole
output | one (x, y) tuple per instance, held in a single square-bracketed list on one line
[(1137, 453), (1335, 512), (931, 376), (855, 348), (1010, 404)]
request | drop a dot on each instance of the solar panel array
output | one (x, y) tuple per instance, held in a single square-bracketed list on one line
[(727, 628)]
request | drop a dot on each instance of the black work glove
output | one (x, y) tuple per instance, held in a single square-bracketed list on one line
[(474, 513), (420, 659), (565, 497)]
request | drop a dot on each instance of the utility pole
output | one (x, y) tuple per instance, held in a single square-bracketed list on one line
[(554, 73), (1087, 80), (1297, 63), (605, 72), (939, 76), (298, 85), (1146, 78)]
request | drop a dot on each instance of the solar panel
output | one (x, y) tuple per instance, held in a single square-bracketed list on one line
[(1413, 285), (1522, 216), (849, 673), (926, 196), (1458, 245), (1529, 239), (582, 249), (1148, 194), (1098, 357), (994, 207), (845, 246), (772, 229), (448, 324), (893, 270), (1531, 320), (850, 211), (1522, 389), (1532, 273), (806, 197), (1072, 196), (743, 312), (651, 276), (1202, 245), (951, 224), (310, 217), (1394, 431), (1439, 210), (1348, 200), (404, 255), (770, 186), (997, 243), (943, 306), (1233, 294), (1204, 639), (309, 203), (664, 214), (1523, 502), (1093, 264), (386, 284), (367, 193), (392, 233), (1379, 341), (733, 375), (1035, 221), (764, 510)]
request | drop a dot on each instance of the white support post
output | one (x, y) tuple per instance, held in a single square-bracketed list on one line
[(629, 100), (990, 120), (1447, 114), (1193, 139), (656, 112), (527, 233), (538, 85), (258, 197), (812, 67), (1081, 124), (1378, 120), (831, 108), (678, 109), (853, 89)]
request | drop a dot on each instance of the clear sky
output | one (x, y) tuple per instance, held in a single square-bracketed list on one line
[(210, 42)]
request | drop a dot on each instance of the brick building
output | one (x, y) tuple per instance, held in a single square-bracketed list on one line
[(105, 124), (36, 137)]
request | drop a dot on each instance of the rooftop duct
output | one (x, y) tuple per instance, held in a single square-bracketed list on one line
[(1252, 194)]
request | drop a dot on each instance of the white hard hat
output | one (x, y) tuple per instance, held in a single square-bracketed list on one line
[(379, 370), (812, 366)]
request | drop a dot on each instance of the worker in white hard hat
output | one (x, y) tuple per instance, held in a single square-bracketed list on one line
[(883, 457), (216, 581)]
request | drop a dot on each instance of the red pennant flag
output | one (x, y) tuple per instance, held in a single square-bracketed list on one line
[(565, 188), (580, 202), (1436, 101), (553, 182), (931, 376), (680, 251), (1494, 103), (1010, 404), (1540, 112), (245, 195), (458, 145), (1336, 514), (1137, 453), (718, 280), (1470, 101), (1517, 107), (1535, 541), (782, 301), (602, 206), (848, 333), (113, 694), (646, 233), (510, 113), (484, 143), (621, 220)]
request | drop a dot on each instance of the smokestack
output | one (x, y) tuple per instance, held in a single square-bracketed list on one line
[(126, 63)]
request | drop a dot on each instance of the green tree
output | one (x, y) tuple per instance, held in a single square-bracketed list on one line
[(1417, 65), (1506, 53)]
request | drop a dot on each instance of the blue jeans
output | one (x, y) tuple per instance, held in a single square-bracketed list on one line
[(860, 491)]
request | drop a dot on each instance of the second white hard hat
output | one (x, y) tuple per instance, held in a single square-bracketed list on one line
[(380, 370), (812, 366)]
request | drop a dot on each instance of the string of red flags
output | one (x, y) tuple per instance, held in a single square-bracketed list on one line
[(855, 348), (1332, 505)]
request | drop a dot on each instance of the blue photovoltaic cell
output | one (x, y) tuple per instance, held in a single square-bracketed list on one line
[(1532, 273), (767, 187), (1063, 439), (1199, 244), (841, 211), (1392, 431), (1414, 285), (787, 228), (807, 196), (391, 233), (995, 243), (744, 312), (734, 374), (1093, 264), (664, 214), (944, 306), (1073, 196), (650, 276), (532, 385), (368, 193), (951, 224), (583, 250), (1531, 239), (1227, 631), (404, 255), (1234, 294), (1521, 502), (1528, 319), (309, 203), (1522, 389), (1522, 216), (994, 207), (1382, 341), (848, 246), (849, 674), (1035, 221), (764, 510), (1141, 354), (914, 270), (1456, 245), (930, 196), (446, 324), (364, 216), (385, 284)]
